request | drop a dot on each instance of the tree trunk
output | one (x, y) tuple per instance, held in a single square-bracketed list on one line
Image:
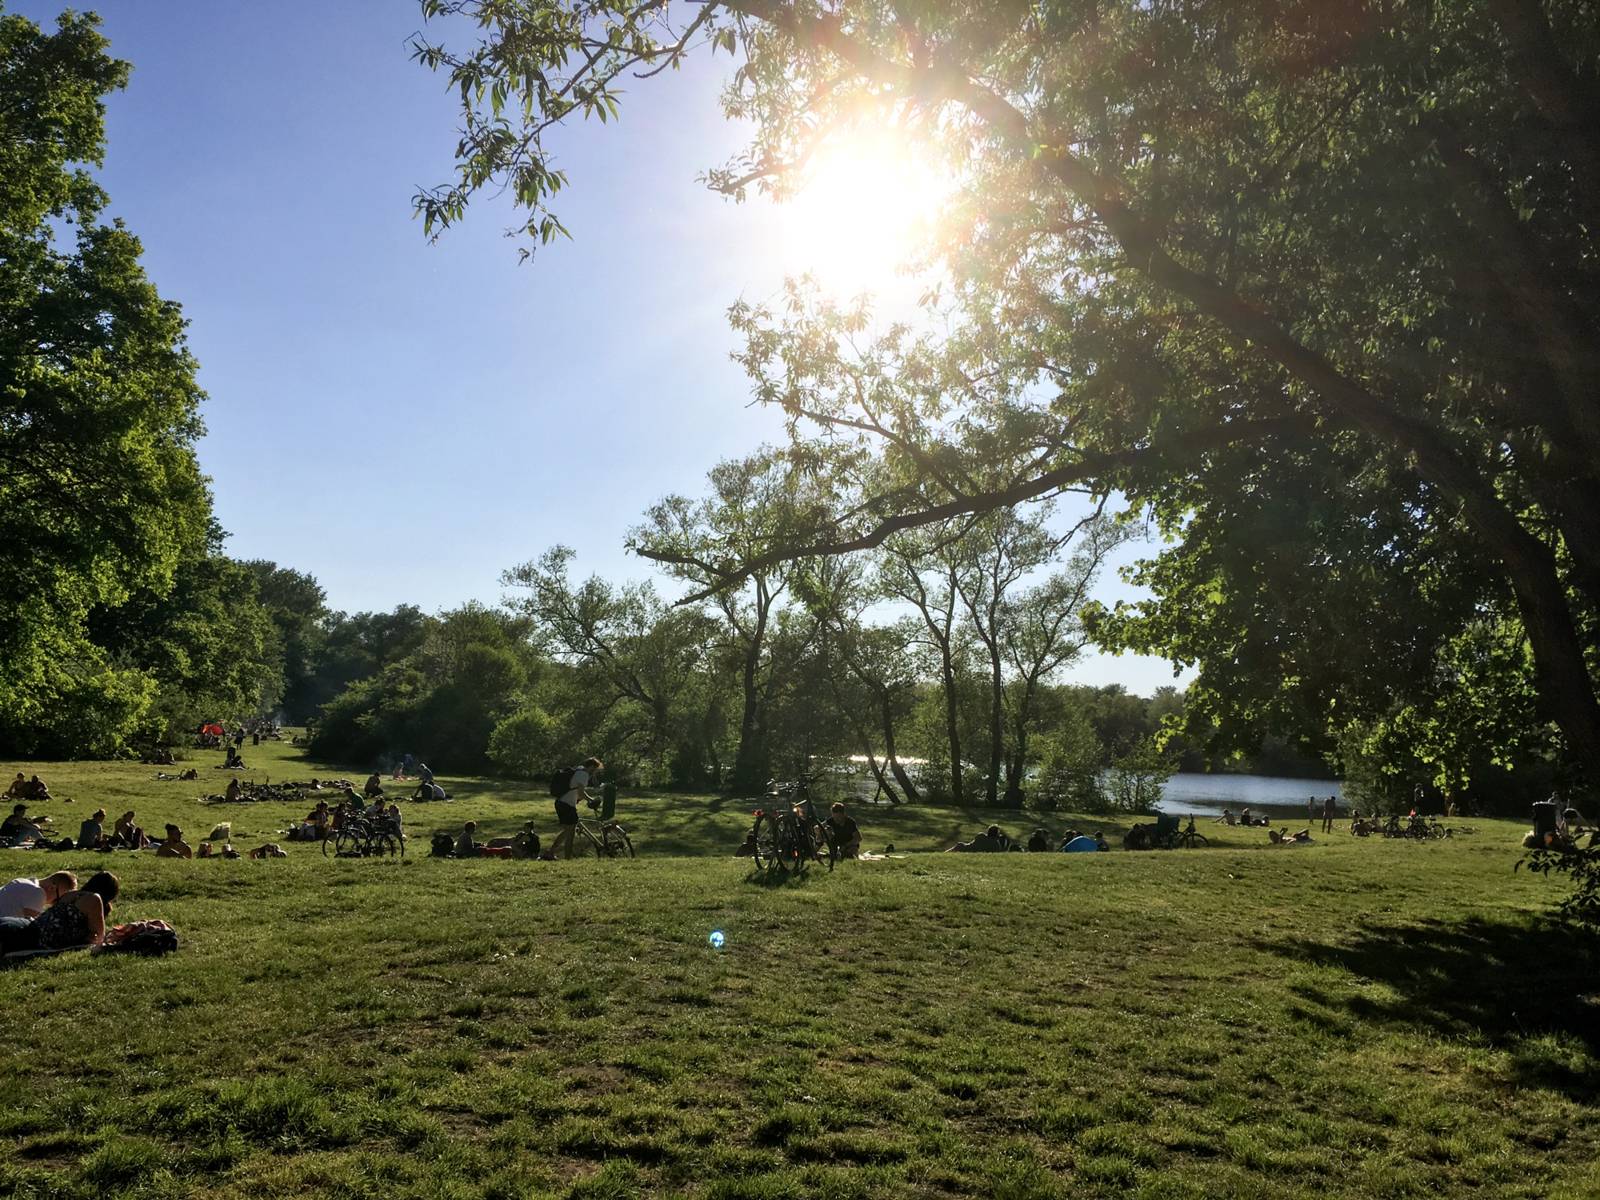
[(886, 708), (997, 700), (749, 764)]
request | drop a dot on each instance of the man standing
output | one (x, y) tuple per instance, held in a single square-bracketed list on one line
[(567, 806), (1329, 810)]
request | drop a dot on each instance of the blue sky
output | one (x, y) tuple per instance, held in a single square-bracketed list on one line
[(392, 416)]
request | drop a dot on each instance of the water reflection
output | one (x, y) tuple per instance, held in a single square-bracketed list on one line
[(1210, 794)]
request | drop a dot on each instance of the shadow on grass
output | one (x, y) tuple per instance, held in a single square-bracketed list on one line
[(1523, 987), (776, 878)]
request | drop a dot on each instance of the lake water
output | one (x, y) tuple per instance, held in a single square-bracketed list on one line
[(1210, 794)]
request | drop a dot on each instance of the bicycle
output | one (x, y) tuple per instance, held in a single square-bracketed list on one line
[(610, 840), (360, 836), (787, 834), (1190, 838)]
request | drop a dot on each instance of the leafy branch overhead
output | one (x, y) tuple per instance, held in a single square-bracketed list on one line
[(1228, 261)]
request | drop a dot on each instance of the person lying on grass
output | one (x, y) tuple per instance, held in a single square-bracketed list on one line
[(1282, 837), (78, 918), (27, 898), (989, 841), (174, 846)]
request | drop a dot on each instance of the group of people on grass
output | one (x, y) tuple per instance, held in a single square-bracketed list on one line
[(995, 840), (54, 913)]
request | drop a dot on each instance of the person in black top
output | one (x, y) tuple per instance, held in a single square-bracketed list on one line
[(846, 833)]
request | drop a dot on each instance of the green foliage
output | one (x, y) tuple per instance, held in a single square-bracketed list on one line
[(1070, 757), (100, 493), (1338, 338), (528, 742), (1133, 784), (1581, 865)]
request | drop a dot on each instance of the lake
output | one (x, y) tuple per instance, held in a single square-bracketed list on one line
[(1204, 794)]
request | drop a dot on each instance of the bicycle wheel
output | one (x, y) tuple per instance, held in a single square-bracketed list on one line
[(585, 842), (1192, 840), (767, 856), (826, 850), (795, 844), (615, 840), (384, 845)]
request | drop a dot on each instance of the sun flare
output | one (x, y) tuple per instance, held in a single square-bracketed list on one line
[(863, 208)]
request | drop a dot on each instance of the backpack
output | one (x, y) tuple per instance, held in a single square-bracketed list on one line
[(561, 781), (443, 845)]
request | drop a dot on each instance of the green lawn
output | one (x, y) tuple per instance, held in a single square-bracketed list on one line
[(1351, 1019)]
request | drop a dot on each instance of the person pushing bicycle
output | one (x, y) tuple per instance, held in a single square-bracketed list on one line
[(567, 805)]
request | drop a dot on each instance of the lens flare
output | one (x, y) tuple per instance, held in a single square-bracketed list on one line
[(716, 939)]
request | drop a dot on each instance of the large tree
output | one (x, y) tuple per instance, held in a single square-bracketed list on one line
[(1352, 242), (100, 493)]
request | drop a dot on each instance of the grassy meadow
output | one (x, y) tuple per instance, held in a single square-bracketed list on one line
[(1354, 1018)]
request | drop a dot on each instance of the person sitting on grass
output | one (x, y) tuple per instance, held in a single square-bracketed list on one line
[(92, 833), (391, 819), (37, 789), (846, 833), (18, 829), (235, 792), (746, 848), (1038, 840), (987, 842), (374, 785), (315, 827), (27, 898), (125, 835), (174, 846), (526, 842), (77, 918), (18, 789), (468, 846)]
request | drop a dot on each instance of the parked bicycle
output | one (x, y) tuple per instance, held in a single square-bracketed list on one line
[(787, 834), (363, 836)]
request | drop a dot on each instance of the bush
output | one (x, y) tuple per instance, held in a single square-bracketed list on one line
[(1134, 782), (526, 743)]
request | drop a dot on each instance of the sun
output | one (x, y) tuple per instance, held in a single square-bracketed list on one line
[(864, 206)]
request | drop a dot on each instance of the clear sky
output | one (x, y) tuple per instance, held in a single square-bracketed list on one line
[(391, 416)]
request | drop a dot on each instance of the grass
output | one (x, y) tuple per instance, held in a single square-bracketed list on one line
[(1355, 1018)]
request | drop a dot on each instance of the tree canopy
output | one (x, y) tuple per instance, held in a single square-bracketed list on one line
[(1314, 285), (101, 497)]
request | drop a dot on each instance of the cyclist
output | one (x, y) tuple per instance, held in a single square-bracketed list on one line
[(567, 806)]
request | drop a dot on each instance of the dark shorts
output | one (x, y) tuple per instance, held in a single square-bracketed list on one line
[(567, 814)]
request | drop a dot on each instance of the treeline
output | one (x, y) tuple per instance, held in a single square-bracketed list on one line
[(933, 661)]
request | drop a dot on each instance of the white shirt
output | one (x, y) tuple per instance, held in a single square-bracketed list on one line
[(580, 780), (22, 894)]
